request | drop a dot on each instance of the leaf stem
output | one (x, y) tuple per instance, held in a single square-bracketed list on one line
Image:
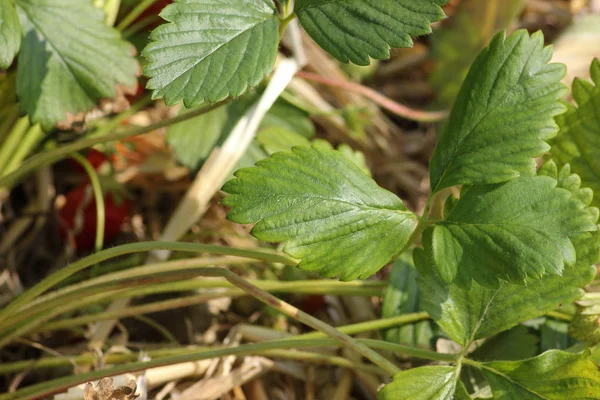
[(134, 13), (52, 156), (378, 98), (98, 196)]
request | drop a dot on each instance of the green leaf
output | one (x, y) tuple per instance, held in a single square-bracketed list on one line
[(193, 140), (402, 297), (508, 232), (279, 139), (284, 115), (555, 335), (514, 344), (354, 30), (555, 375), (469, 314), (331, 215), (502, 115), (10, 33), (424, 383), (211, 49), (578, 142), (69, 59), (455, 45)]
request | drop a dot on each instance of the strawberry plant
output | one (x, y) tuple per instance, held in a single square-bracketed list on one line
[(509, 232)]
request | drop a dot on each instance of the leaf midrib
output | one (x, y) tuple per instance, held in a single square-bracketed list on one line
[(335, 199), (498, 104)]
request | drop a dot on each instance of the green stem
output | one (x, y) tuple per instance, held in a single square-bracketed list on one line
[(60, 275), (29, 142), (297, 287), (111, 358), (11, 143), (98, 196), (52, 156), (378, 324), (560, 315), (134, 13), (276, 349)]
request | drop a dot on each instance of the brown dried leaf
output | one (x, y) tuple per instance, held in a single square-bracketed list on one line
[(105, 390)]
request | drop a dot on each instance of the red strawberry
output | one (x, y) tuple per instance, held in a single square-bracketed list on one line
[(78, 216)]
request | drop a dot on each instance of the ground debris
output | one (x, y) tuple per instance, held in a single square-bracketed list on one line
[(105, 390)]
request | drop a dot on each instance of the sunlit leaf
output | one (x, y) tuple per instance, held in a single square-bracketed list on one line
[(332, 216)]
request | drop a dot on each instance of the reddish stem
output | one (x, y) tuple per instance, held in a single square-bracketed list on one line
[(378, 98)]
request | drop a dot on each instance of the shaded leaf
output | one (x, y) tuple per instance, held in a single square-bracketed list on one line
[(455, 46), (354, 30), (502, 115), (10, 33), (193, 140), (284, 115), (555, 335), (508, 232), (279, 139), (578, 142), (69, 59), (515, 344), (331, 215), (402, 297), (424, 383), (553, 375), (211, 49)]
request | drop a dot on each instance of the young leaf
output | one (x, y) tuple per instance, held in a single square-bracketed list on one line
[(69, 59), (354, 30), (508, 232), (211, 49), (502, 115), (10, 33), (555, 375), (578, 142), (470, 314), (331, 215), (425, 383), (455, 46)]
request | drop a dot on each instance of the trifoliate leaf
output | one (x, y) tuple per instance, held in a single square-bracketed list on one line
[(10, 33), (554, 375), (211, 49), (402, 297), (424, 383), (354, 30), (502, 115), (69, 59), (331, 215), (467, 315), (455, 46), (508, 232), (578, 142)]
